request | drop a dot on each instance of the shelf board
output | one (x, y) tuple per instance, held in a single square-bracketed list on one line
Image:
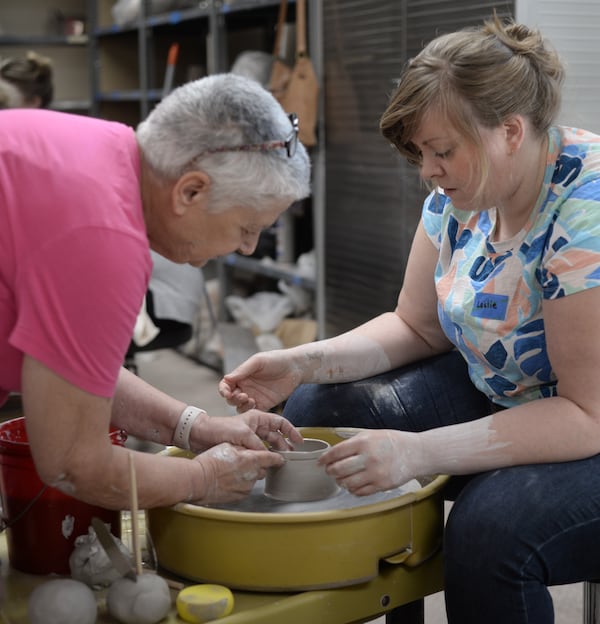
[(172, 17), (44, 40), (245, 5), (276, 270), (132, 95), (185, 15), (114, 29), (71, 105), (176, 17)]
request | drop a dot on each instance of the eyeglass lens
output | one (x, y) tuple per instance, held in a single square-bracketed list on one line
[(291, 144)]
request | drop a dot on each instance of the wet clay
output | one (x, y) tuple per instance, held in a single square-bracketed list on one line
[(301, 478)]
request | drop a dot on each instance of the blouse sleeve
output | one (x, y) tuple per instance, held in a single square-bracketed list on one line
[(571, 260)]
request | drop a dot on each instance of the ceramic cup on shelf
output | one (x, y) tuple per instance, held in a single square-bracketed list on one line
[(301, 478)]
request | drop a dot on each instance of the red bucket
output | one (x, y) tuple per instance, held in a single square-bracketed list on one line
[(42, 522)]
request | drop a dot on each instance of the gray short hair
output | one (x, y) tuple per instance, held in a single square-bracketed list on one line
[(225, 110)]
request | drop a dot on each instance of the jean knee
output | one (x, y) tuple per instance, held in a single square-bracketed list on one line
[(326, 405), (498, 554), (304, 407), (484, 533)]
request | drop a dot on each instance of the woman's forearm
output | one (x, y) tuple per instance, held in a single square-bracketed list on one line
[(547, 430), (143, 410), (381, 344)]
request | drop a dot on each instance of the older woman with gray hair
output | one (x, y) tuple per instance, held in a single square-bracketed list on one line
[(83, 202)]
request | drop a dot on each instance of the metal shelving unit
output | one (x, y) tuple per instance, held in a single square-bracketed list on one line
[(120, 76), (126, 65), (287, 271)]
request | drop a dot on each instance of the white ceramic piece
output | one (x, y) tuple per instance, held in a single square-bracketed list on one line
[(90, 564), (301, 478)]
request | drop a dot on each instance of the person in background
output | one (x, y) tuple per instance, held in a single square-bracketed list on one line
[(82, 202), (488, 367), (26, 82)]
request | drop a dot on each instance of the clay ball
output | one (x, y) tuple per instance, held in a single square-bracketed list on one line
[(62, 601), (146, 601)]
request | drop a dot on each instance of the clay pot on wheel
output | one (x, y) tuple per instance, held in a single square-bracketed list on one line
[(301, 478)]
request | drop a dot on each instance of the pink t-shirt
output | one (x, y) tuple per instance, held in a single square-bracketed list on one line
[(74, 256)]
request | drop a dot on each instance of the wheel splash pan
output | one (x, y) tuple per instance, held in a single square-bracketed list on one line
[(262, 545)]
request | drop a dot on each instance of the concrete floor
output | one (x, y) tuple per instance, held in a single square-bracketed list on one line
[(197, 385)]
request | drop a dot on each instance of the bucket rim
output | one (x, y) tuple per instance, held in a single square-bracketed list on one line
[(10, 446)]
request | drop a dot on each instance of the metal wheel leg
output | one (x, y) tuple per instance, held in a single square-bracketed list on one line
[(591, 603)]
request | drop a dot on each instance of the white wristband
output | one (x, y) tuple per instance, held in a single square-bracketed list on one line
[(181, 437)]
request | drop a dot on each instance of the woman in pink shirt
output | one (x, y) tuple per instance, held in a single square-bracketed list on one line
[(82, 201)]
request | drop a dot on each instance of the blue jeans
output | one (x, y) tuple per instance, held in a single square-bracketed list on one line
[(512, 532)]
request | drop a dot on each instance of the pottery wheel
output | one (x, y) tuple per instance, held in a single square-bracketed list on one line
[(258, 502)]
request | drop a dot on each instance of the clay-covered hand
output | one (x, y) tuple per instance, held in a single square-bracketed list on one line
[(250, 430), (263, 381), (230, 472), (375, 460)]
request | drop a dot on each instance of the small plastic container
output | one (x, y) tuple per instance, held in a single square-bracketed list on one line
[(301, 478), (42, 522)]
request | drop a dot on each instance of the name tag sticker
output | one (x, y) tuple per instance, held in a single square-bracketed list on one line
[(490, 306)]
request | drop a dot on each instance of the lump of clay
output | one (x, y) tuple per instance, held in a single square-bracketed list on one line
[(90, 564), (146, 601), (62, 601)]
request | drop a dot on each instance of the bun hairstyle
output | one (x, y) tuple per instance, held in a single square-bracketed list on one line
[(484, 74), (10, 96), (32, 76)]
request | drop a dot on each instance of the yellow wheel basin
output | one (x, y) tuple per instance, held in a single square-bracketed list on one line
[(262, 545)]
